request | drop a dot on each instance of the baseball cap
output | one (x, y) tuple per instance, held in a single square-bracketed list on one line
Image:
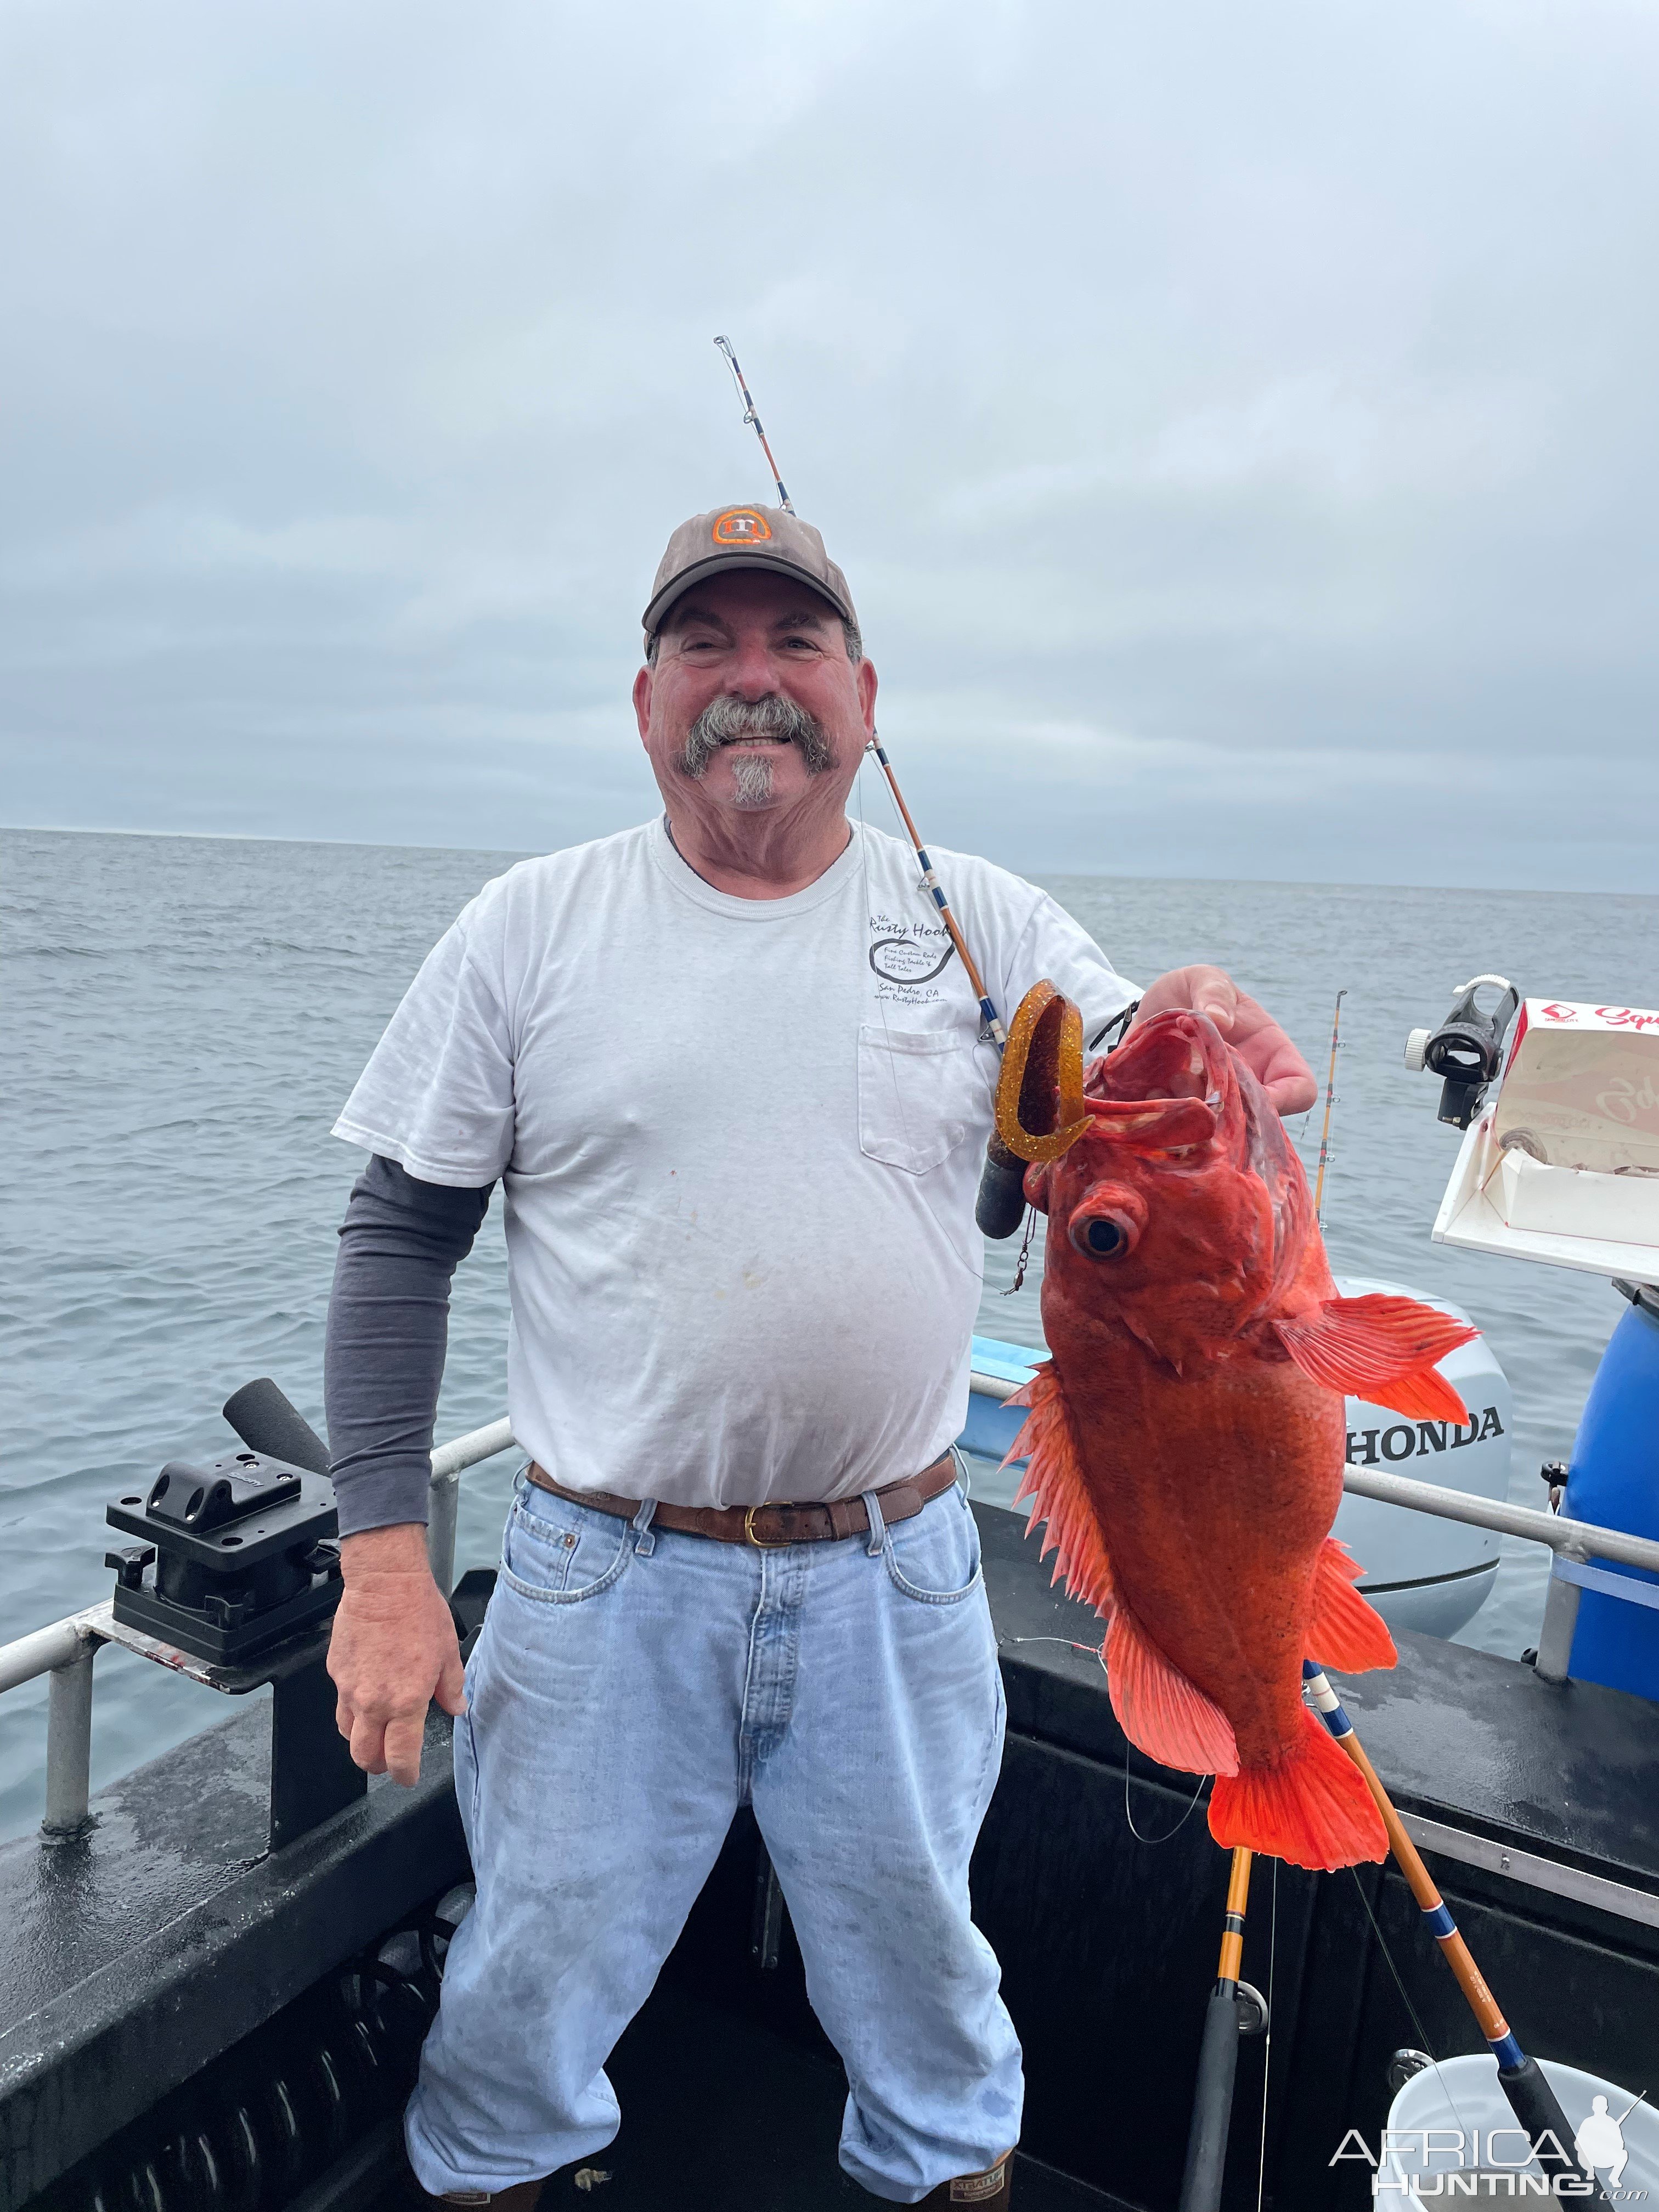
[(743, 536)]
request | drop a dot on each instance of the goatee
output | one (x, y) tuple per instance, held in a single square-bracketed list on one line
[(728, 720)]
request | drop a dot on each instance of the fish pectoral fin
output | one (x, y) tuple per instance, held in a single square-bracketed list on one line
[(1381, 1348), (1311, 1808), (1056, 1485), (1343, 1630), (1160, 1711)]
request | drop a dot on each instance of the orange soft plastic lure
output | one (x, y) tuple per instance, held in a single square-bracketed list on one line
[(1186, 1440)]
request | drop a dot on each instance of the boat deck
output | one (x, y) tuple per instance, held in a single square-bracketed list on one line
[(719, 2111), (139, 1955)]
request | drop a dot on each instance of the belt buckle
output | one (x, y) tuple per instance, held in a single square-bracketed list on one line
[(783, 1506)]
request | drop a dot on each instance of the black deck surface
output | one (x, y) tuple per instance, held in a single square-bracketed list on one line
[(720, 2113), (133, 1957), (1568, 1769)]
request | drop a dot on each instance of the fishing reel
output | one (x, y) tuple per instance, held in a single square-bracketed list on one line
[(1467, 1049)]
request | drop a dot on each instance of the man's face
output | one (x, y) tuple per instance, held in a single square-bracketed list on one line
[(753, 706)]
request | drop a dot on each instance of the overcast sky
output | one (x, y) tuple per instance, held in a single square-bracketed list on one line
[(1237, 421)]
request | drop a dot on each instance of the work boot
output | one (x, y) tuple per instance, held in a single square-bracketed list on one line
[(988, 2191)]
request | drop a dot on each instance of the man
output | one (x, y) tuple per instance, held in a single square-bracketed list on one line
[(731, 1076)]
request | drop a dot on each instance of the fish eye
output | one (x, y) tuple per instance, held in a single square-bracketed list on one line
[(1104, 1236)]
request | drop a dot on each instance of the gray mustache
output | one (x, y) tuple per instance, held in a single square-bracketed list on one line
[(727, 720)]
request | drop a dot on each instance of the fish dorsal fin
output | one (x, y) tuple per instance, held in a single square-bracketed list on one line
[(1059, 1494), (1160, 1711), (1381, 1348), (1343, 1630)]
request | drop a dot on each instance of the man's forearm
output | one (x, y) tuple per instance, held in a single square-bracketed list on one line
[(388, 1330)]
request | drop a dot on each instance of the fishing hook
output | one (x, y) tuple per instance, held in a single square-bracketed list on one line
[(1025, 1255)]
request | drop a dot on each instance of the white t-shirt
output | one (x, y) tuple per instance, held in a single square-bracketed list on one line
[(739, 1141)]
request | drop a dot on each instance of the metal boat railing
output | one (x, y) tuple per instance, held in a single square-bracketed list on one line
[(64, 1651)]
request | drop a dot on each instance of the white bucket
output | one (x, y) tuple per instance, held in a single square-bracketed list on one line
[(1461, 2096)]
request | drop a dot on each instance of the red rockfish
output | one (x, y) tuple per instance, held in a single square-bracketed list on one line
[(1186, 1438)]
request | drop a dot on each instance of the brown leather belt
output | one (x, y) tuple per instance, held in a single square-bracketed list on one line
[(769, 1528)]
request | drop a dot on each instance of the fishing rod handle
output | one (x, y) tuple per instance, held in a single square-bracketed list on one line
[(268, 1422), (1000, 1205), (1212, 2103), (1531, 2099), (1538, 2109)]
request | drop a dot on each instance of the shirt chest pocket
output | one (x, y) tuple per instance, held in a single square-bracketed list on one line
[(919, 1093)]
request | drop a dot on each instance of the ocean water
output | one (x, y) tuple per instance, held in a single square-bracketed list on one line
[(184, 1016)]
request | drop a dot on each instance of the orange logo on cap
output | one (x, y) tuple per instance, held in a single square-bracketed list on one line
[(741, 525)]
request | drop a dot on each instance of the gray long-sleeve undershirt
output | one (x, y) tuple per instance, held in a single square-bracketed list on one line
[(388, 1330)]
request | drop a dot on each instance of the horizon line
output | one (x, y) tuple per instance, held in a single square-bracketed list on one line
[(1090, 875)]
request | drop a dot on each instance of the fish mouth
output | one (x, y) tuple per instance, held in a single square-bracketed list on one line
[(1164, 1087)]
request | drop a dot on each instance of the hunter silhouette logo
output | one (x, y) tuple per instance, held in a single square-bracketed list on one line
[(741, 525), (1601, 2142)]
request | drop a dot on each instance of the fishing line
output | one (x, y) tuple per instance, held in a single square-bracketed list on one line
[(1128, 1749), (1024, 1256), (1422, 2032), (1268, 2044), (1090, 1651)]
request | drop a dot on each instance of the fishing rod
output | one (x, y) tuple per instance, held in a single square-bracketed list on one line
[(987, 1012), (1225, 2020), (753, 421), (1524, 2081), (1330, 1101), (991, 1020)]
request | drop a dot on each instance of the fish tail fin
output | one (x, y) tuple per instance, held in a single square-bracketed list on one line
[(1055, 1484), (1381, 1348), (1311, 1809), (1167, 1716), (1343, 1630)]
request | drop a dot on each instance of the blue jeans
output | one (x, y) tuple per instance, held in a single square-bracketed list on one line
[(632, 1688)]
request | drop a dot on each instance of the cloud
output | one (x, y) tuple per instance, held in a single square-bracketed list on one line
[(1236, 423)]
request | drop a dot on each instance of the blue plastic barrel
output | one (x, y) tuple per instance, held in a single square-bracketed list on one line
[(1614, 1480)]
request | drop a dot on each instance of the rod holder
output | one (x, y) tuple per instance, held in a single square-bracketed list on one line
[(1560, 1621), (68, 1749), (312, 1774), (443, 1500)]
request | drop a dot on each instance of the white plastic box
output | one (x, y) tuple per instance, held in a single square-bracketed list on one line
[(1562, 1165)]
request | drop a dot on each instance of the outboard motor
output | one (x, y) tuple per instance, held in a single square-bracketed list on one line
[(1466, 1049)]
